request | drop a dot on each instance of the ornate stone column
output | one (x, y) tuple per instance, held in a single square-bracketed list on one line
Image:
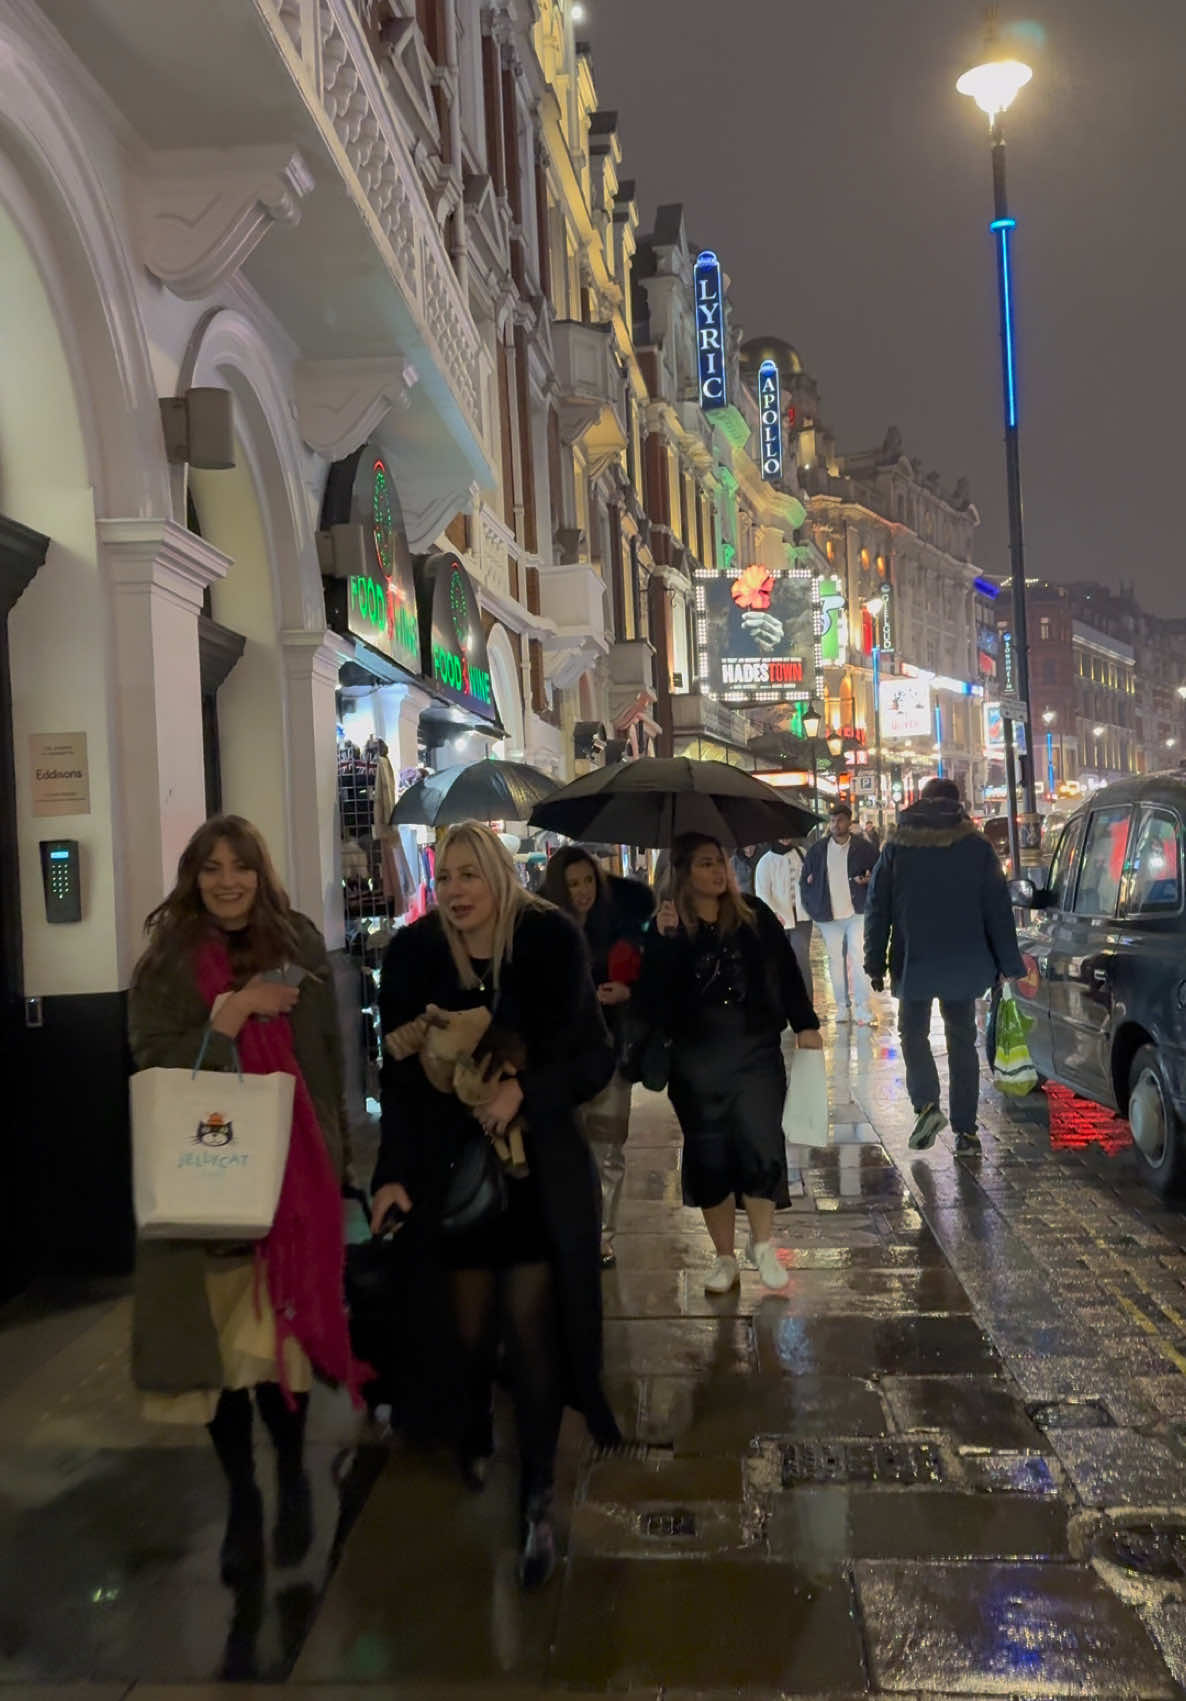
[(158, 573)]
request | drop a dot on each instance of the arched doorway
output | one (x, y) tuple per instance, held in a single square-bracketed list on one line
[(508, 693)]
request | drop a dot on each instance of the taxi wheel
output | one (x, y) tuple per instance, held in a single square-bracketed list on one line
[(1158, 1132)]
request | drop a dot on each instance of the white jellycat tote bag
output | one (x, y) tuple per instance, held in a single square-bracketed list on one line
[(805, 1113), (208, 1151)]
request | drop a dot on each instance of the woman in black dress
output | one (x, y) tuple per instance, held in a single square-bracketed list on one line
[(720, 978), (613, 914), (529, 1280)]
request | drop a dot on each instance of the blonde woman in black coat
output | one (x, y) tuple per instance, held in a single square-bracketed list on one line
[(530, 1279)]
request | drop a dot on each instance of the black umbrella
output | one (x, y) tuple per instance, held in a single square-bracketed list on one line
[(477, 791), (652, 801)]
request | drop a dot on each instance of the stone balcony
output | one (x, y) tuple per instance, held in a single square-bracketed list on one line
[(592, 402), (265, 142), (572, 601), (692, 713)]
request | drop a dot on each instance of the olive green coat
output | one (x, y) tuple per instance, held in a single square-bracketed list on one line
[(174, 1343)]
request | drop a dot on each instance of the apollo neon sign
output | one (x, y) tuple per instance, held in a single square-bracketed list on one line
[(710, 331), (770, 416)]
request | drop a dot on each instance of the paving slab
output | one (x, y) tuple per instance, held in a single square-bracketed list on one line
[(1122, 1467), (427, 1591), (675, 1347), (706, 1624), (855, 1344), (832, 1524), (982, 1411), (726, 1414), (1003, 1629)]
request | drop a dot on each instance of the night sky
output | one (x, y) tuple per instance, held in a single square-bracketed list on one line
[(820, 147)]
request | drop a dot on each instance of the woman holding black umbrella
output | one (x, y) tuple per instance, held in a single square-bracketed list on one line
[(721, 979), (613, 914)]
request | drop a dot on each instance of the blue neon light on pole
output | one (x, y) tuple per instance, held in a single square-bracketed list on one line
[(1009, 352), (993, 85)]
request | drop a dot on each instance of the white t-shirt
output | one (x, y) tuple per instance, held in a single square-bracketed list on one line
[(838, 880)]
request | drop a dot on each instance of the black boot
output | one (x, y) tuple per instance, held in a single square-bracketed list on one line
[(292, 1536), (241, 1556), (537, 1556)]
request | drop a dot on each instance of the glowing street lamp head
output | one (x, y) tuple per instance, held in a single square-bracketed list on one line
[(995, 86)]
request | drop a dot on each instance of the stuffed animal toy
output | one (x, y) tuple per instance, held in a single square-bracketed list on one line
[(463, 1052)]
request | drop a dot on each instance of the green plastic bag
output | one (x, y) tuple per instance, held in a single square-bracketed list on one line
[(1013, 1070)]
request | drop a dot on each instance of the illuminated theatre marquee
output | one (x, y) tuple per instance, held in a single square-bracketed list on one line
[(770, 414), (758, 635), (710, 331)]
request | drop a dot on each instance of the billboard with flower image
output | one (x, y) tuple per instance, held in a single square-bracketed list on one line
[(758, 635)]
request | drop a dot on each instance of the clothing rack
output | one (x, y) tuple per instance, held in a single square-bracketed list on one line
[(369, 915)]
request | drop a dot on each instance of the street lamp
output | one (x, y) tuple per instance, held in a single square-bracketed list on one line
[(994, 85), (812, 722), (876, 607)]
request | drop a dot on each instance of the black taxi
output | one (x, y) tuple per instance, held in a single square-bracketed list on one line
[(1104, 945)]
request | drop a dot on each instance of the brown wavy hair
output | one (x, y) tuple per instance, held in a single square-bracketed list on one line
[(178, 925), (734, 911)]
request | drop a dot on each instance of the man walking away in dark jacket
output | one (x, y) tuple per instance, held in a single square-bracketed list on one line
[(939, 914)]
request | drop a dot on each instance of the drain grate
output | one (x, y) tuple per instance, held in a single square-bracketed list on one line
[(1071, 1414), (1144, 1550), (667, 1526), (902, 1464)]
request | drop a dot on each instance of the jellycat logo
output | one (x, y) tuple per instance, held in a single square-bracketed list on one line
[(215, 1131)]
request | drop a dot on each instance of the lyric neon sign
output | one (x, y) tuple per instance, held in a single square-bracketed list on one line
[(710, 331), (770, 415)]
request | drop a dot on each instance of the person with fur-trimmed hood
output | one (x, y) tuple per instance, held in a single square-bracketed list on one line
[(939, 915)]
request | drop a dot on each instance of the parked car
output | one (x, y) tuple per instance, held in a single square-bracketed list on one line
[(1104, 945)]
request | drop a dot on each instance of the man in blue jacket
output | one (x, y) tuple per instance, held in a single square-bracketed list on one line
[(835, 885), (939, 913)]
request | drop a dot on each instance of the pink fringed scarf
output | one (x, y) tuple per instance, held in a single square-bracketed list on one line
[(303, 1256)]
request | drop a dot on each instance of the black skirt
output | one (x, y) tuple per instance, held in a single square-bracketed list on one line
[(518, 1236), (728, 1087)]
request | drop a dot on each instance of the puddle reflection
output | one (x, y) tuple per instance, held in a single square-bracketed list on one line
[(1075, 1124)]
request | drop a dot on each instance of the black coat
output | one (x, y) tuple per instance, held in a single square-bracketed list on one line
[(620, 920), (777, 995), (547, 998), (939, 909)]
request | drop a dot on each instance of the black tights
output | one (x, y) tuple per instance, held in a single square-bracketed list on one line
[(517, 1309), (230, 1431)]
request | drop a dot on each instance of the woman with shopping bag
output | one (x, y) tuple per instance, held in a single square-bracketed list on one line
[(720, 977), (234, 979), (613, 914)]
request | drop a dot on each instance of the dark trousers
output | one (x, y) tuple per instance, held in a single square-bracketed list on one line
[(922, 1077)]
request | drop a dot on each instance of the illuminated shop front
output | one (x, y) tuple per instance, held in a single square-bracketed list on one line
[(417, 693)]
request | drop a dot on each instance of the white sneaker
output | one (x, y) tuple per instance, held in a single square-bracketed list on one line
[(772, 1273), (724, 1275)]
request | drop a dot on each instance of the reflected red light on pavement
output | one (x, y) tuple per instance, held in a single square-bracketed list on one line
[(1076, 1123)]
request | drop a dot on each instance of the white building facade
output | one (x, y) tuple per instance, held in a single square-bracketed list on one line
[(289, 204)]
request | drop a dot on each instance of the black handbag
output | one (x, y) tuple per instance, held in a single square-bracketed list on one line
[(477, 1191), (645, 1058)]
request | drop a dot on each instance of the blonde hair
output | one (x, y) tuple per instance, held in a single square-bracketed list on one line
[(497, 868), (734, 911)]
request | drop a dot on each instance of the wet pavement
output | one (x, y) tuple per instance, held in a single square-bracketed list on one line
[(949, 1460)]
